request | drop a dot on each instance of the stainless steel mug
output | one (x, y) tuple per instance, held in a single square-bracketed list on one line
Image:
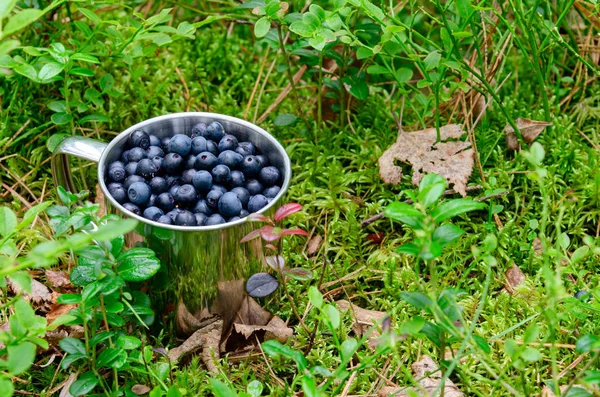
[(204, 267)]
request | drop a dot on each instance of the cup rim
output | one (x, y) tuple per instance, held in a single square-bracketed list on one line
[(287, 174)]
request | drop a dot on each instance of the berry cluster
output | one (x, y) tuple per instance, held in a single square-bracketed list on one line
[(201, 178)]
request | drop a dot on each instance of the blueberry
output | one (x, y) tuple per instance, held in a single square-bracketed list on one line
[(146, 168), (116, 164), (250, 166), (211, 147), (173, 163), (228, 142), (269, 176), (256, 203), (139, 138), (245, 148), (220, 188), (158, 185), (125, 156), (173, 180), (173, 190), (271, 192), (215, 131), (199, 130), (116, 173), (237, 179), (185, 218), (198, 145), (153, 213), (221, 174), (188, 176), (229, 205), (164, 143), (206, 161), (130, 168), (131, 180), (262, 160), (190, 162), (154, 140), (136, 154), (215, 219), (154, 151), (253, 186), (234, 218), (185, 195), (230, 159), (117, 191), (157, 161), (132, 208), (242, 194), (202, 181), (212, 198), (165, 202), (152, 200), (244, 213), (582, 295), (173, 213), (180, 144), (166, 219), (139, 193), (200, 219), (202, 207)]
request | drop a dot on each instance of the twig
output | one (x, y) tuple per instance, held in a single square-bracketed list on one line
[(283, 94), (257, 83), (448, 192)]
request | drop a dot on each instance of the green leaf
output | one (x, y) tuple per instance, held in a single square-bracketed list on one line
[(90, 15), (358, 87), (405, 213), (318, 11), (31, 214), (531, 333), (72, 346), (26, 70), (309, 387), (417, 299), (274, 349), (111, 358), (409, 249), (348, 349), (6, 6), (129, 342), (285, 119), (372, 10), (318, 42), (114, 229), (377, 69), (21, 20), (49, 70), (6, 46), (7, 387), (455, 207), (311, 20), (578, 392), (79, 71), (482, 344), (84, 384), (85, 58), (412, 327), (431, 188), (363, 53), (445, 234), (23, 280), (220, 389), (432, 60), (332, 315), (511, 348), (8, 221), (580, 254), (262, 27), (24, 313), (464, 8), (69, 299), (95, 118), (531, 354), (587, 343), (137, 264), (316, 298), (254, 388), (302, 29), (61, 118), (20, 357), (173, 392)]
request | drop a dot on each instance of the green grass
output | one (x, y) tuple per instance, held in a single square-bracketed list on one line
[(329, 172)]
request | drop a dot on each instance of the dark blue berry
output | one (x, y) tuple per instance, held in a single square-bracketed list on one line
[(154, 151), (173, 163), (228, 142), (262, 160), (154, 141), (164, 143), (583, 295), (221, 174), (242, 194), (229, 205), (269, 176), (253, 186), (185, 218), (202, 207), (220, 188), (157, 161), (244, 213), (166, 219), (185, 195), (245, 148), (116, 164), (250, 166), (116, 173), (202, 181), (152, 200), (234, 218), (130, 168), (139, 193), (199, 130), (165, 202), (198, 145), (188, 176), (125, 157), (212, 198), (271, 192), (158, 185), (237, 179), (173, 180), (211, 147), (200, 219), (257, 203), (146, 168), (139, 138), (173, 213), (118, 192), (215, 131), (136, 154), (190, 162), (153, 213), (230, 159), (206, 161), (180, 144), (215, 219), (132, 208), (173, 190), (131, 180)]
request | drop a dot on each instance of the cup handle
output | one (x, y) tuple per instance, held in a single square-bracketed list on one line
[(85, 148)]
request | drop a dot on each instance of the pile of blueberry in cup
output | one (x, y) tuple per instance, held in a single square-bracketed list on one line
[(203, 177)]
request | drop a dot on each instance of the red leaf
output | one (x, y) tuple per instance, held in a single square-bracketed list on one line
[(276, 262), (286, 232), (286, 210), (270, 233), (254, 217), (271, 247), (250, 236)]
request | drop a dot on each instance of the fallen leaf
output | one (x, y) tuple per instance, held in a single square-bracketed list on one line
[(64, 392), (252, 313), (39, 292), (530, 129), (514, 277), (100, 200), (429, 377), (58, 279), (449, 158), (275, 329), (58, 310), (314, 244), (547, 392), (73, 331), (206, 339), (364, 320), (187, 323), (140, 390)]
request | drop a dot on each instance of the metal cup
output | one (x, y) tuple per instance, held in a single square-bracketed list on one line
[(204, 267)]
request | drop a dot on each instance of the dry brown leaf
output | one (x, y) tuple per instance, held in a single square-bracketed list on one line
[(449, 158), (64, 392), (364, 319), (140, 390), (275, 329), (58, 310), (73, 331), (58, 279), (429, 376), (39, 292), (530, 129), (514, 277), (547, 392), (537, 247), (314, 244), (205, 339), (100, 200), (251, 313)]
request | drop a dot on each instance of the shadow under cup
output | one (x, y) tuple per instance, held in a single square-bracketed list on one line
[(203, 268)]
